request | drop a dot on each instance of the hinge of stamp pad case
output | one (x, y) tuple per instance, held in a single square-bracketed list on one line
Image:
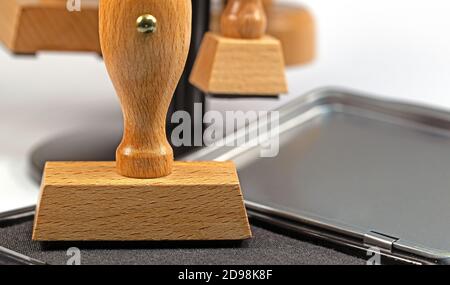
[(382, 241)]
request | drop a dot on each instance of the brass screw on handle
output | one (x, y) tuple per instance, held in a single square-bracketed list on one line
[(146, 24)]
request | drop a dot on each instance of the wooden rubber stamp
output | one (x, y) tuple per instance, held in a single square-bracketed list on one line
[(29, 26), (242, 60), (295, 27), (144, 195)]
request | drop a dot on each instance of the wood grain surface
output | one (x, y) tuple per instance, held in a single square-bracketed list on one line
[(240, 66), (29, 26), (145, 70), (144, 195), (241, 60), (89, 201), (293, 25)]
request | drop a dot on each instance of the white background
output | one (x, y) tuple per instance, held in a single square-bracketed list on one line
[(397, 49)]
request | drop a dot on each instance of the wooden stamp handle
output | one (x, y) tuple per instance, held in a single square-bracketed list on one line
[(145, 44), (244, 19)]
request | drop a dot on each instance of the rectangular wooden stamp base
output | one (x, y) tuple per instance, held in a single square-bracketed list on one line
[(240, 66), (30, 26), (89, 201)]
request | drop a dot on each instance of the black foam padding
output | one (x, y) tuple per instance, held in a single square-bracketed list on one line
[(266, 248)]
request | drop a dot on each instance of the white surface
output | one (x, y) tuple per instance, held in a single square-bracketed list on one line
[(398, 49)]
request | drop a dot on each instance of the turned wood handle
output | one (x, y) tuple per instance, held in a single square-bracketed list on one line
[(145, 60), (244, 19)]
